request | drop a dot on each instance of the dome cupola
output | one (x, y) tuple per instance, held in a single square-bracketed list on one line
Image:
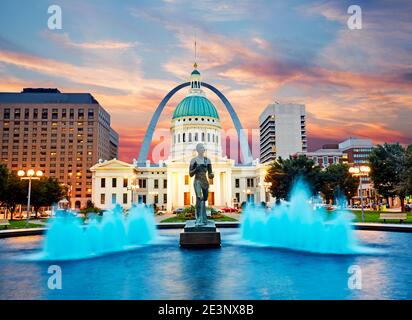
[(195, 120)]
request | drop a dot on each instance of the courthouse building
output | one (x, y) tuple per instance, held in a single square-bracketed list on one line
[(167, 183)]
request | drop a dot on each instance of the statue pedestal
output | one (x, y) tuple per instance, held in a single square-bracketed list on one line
[(206, 236)]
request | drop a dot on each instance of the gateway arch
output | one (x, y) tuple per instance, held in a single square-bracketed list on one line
[(244, 145)]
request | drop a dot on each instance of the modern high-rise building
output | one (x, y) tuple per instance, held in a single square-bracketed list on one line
[(282, 131), (62, 134)]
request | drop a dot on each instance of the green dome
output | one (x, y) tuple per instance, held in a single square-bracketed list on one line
[(195, 106), (195, 72)]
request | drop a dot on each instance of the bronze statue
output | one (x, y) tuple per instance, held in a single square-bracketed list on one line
[(198, 168)]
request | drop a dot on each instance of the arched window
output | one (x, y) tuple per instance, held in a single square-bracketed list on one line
[(178, 138), (190, 137), (196, 136), (203, 137), (184, 137), (208, 137)]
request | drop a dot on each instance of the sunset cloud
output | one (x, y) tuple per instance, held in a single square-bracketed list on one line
[(353, 82)]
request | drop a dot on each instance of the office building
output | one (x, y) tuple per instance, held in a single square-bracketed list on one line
[(62, 134), (282, 131)]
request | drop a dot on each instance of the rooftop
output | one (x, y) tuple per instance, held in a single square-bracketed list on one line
[(46, 95)]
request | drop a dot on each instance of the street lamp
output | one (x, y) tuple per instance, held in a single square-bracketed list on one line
[(29, 175), (362, 171)]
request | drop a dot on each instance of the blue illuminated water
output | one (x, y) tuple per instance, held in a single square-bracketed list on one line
[(291, 252), (298, 226), (68, 238), (235, 271)]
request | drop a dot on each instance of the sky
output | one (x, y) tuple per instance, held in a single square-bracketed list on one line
[(130, 54)]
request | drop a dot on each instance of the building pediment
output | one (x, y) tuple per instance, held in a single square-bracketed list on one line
[(112, 164)]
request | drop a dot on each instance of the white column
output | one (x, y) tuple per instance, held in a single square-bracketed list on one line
[(218, 191), (169, 191), (180, 189), (229, 189)]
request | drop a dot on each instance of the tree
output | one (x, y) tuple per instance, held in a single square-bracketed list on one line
[(404, 187), (284, 173), (13, 192), (387, 164), (4, 172), (338, 181), (46, 192)]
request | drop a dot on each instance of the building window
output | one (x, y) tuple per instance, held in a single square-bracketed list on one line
[(165, 198), (124, 198), (103, 183), (102, 198), (55, 114), (125, 182), (237, 183), (114, 182), (90, 114), (113, 198), (164, 183), (142, 183), (186, 179), (250, 182), (44, 113), (35, 113), (6, 113), (156, 183)]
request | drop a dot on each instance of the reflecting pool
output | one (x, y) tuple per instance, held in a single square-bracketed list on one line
[(238, 270)]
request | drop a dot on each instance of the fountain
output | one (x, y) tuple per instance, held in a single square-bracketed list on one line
[(298, 226), (68, 238)]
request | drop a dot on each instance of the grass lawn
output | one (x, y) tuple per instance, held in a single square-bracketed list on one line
[(20, 224), (373, 216), (182, 219)]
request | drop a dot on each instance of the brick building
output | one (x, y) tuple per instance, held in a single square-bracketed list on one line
[(62, 134)]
